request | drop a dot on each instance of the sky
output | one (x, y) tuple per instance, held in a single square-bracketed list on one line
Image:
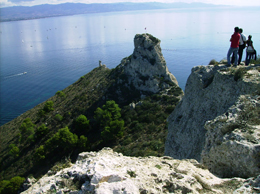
[(8, 3)]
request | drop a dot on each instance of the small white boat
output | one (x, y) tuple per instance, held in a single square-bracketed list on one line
[(24, 72)]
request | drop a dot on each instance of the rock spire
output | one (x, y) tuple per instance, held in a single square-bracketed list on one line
[(146, 67)]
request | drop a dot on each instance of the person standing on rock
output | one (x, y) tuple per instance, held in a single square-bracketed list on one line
[(233, 47), (242, 45), (250, 50)]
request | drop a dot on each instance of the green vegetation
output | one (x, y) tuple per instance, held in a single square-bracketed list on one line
[(27, 130), (131, 173), (154, 39), (41, 131), (60, 94), (14, 150), (58, 117), (239, 73), (48, 107), (82, 123), (158, 166), (90, 114), (62, 140), (39, 153), (109, 121), (11, 186)]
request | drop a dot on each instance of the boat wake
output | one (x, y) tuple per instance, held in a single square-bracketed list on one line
[(19, 74)]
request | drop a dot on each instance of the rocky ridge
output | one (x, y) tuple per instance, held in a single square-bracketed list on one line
[(218, 119), (110, 172)]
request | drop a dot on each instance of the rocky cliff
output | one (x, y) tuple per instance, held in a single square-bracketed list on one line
[(217, 120), (146, 67), (108, 172)]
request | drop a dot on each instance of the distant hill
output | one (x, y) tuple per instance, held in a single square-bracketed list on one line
[(46, 10)]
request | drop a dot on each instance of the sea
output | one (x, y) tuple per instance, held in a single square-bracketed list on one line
[(42, 56)]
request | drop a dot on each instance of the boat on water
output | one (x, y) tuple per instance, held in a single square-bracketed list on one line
[(24, 72)]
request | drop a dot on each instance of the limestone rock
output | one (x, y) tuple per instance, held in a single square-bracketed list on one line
[(210, 92), (232, 146), (146, 67), (110, 172), (251, 185)]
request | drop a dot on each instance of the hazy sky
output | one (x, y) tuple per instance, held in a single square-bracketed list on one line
[(6, 3)]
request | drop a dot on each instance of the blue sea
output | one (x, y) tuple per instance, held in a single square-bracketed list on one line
[(39, 57)]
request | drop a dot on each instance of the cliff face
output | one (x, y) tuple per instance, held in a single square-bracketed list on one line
[(110, 172), (224, 99)]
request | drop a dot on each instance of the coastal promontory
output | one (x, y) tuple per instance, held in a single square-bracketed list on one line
[(132, 129)]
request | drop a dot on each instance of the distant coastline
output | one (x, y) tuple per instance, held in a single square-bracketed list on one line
[(45, 11)]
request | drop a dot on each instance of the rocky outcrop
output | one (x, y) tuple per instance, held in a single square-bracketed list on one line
[(232, 146), (110, 172), (146, 67), (215, 95)]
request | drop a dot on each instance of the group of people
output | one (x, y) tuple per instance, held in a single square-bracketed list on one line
[(238, 44)]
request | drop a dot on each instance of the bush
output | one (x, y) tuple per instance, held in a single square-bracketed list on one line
[(27, 126), (63, 139), (83, 141), (27, 130), (40, 153), (48, 107), (113, 131), (82, 123), (60, 94), (58, 117), (12, 186), (239, 73), (41, 131), (14, 150)]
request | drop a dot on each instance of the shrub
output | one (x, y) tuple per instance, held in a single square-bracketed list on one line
[(213, 62), (131, 173), (82, 123), (83, 141), (239, 73), (40, 153), (27, 130), (60, 94), (108, 119), (14, 150), (27, 126), (63, 139), (58, 117), (30, 138), (12, 186), (156, 145), (114, 130), (48, 107), (169, 109), (41, 131)]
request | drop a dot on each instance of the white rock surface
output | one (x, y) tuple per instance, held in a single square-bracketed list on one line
[(213, 97), (108, 172), (232, 146)]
